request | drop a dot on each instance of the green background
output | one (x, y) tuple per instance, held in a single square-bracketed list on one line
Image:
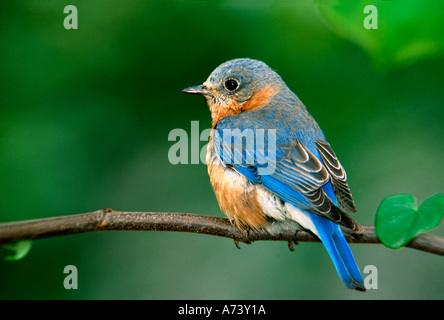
[(85, 116)]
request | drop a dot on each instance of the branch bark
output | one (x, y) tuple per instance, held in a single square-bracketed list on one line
[(108, 219)]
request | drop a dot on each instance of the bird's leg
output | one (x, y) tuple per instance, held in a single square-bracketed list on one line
[(293, 241), (291, 245), (236, 243), (246, 232)]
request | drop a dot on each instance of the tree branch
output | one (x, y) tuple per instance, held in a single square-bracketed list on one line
[(108, 219)]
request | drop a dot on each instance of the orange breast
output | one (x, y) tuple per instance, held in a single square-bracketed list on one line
[(258, 100), (236, 196)]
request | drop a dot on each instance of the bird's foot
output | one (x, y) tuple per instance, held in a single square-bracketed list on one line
[(246, 232), (293, 241)]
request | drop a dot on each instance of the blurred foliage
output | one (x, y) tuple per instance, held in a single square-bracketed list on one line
[(20, 249), (407, 31), (84, 122)]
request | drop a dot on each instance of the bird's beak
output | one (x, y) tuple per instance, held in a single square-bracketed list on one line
[(202, 90)]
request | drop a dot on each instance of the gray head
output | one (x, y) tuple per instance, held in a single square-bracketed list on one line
[(238, 85)]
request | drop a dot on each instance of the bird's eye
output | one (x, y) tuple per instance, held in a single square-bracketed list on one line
[(231, 84)]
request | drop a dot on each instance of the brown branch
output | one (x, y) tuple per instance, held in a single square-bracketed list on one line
[(108, 219)]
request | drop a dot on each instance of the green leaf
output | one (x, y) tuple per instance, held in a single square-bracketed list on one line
[(21, 249), (407, 31), (399, 220)]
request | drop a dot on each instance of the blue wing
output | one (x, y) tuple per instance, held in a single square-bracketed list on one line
[(303, 171), (295, 171)]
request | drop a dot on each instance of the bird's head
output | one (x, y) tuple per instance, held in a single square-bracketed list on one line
[(236, 86)]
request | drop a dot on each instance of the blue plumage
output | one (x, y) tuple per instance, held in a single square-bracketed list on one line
[(268, 157), (339, 251), (284, 183)]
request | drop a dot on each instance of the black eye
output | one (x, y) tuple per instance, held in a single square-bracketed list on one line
[(231, 85)]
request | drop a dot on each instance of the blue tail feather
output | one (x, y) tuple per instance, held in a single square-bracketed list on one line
[(337, 247)]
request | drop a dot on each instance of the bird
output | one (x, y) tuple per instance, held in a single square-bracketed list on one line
[(270, 165)]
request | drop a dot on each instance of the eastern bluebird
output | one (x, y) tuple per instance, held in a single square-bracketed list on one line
[(306, 188)]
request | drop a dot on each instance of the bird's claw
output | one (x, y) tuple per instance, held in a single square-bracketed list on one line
[(293, 241), (246, 233)]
